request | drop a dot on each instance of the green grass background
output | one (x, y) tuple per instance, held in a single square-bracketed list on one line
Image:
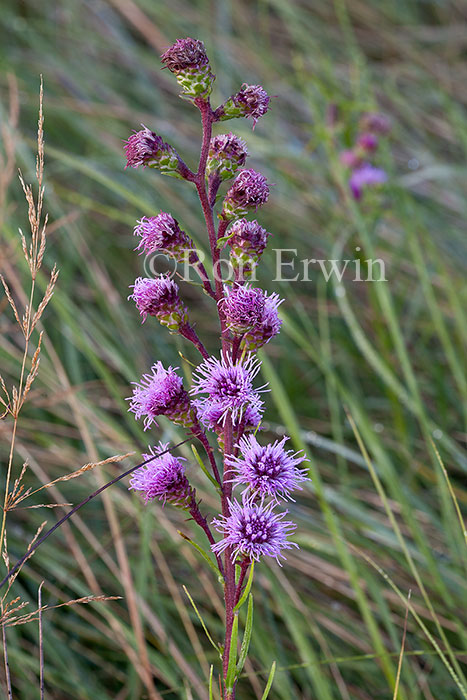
[(371, 527)]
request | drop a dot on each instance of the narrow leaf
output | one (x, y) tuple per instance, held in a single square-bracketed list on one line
[(270, 680), (216, 646), (246, 637), (203, 468), (232, 667), (247, 590), (203, 553), (211, 696)]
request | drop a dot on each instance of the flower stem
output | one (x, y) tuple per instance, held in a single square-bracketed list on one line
[(207, 204)]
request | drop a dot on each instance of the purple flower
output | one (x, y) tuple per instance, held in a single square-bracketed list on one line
[(227, 153), (159, 297), (268, 326), (185, 53), (377, 122), (162, 232), (250, 101), (243, 307), (229, 386), (248, 191), (188, 60), (367, 141), (350, 158), (254, 101), (254, 530), (268, 470), (147, 148), (365, 176), (161, 393), (247, 240), (163, 478), (211, 415)]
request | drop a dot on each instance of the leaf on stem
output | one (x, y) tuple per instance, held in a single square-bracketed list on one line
[(203, 468), (232, 667), (247, 590), (216, 646), (203, 553), (246, 637)]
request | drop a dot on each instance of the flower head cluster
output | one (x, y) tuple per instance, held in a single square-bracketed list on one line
[(268, 326), (161, 393), (243, 307), (229, 388), (248, 191), (188, 60), (254, 530), (225, 398), (162, 232), (247, 241), (250, 101), (159, 297), (163, 478), (145, 147), (364, 174), (267, 470), (227, 153)]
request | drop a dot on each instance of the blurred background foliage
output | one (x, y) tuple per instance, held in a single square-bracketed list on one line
[(389, 357)]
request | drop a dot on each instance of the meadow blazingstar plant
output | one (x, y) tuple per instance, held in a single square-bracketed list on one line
[(225, 399)]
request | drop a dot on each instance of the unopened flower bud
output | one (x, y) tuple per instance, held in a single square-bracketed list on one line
[(147, 148), (159, 297), (250, 101), (162, 232), (188, 61), (248, 191), (376, 122), (247, 240), (227, 153), (367, 141), (350, 158)]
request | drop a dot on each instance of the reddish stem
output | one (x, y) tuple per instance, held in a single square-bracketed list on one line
[(201, 435), (190, 334), (207, 203), (199, 518)]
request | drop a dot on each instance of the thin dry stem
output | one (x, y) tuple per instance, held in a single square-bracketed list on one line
[(41, 643)]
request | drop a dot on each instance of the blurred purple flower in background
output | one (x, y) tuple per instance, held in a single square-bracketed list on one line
[(366, 176)]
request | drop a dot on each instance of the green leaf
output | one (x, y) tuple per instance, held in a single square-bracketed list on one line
[(203, 468), (246, 637), (211, 696), (232, 667), (216, 646), (203, 553), (272, 673), (246, 592)]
